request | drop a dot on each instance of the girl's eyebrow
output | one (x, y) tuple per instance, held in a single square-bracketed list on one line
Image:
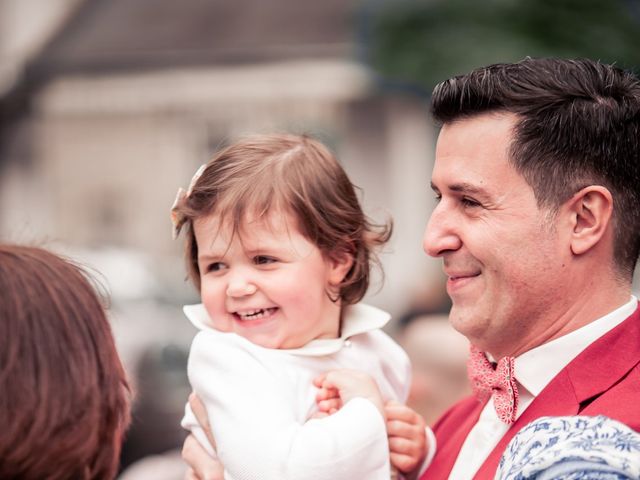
[(262, 249), (207, 257)]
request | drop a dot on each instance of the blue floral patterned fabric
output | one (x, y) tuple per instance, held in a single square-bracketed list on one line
[(572, 448)]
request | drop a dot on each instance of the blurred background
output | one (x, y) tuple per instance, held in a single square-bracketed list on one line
[(108, 106)]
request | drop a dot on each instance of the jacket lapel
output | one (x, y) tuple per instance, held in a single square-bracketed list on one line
[(607, 360)]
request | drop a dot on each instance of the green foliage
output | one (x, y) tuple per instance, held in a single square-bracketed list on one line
[(422, 42)]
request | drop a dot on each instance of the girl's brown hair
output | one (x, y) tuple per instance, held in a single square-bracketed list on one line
[(64, 398), (261, 174)]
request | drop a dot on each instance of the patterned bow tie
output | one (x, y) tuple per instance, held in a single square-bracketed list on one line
[(499, 381)]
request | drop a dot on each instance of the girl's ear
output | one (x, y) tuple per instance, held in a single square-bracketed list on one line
[(339, 265), (591, 210)]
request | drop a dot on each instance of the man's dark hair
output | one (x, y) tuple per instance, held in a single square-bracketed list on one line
[(579, 125)]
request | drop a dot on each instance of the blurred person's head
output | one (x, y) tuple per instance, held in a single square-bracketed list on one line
[(438, 357), (277, 239), (64, 404), (537, 172)]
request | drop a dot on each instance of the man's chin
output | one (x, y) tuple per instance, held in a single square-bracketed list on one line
[(467, 321)]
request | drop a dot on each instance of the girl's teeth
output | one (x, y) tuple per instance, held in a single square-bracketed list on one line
[(256, 314)]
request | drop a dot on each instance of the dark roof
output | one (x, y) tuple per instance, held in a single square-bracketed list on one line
[(143, 34)]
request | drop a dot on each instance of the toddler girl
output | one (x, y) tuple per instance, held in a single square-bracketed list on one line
[(280, 250)]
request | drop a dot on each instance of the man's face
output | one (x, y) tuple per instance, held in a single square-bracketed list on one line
[(502, 255)]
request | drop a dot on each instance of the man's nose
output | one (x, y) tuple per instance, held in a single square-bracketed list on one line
[(442, 233)]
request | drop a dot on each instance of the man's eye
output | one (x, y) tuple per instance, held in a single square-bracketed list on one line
[(470, 202), (263, 260), (437, 197)]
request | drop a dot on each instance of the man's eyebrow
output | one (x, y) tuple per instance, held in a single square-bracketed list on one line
[(467, 188), (463, 187)]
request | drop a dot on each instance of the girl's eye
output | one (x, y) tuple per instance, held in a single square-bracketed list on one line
[(263, 260), (215, 267)]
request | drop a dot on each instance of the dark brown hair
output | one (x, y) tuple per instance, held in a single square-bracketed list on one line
[(579, 125), (287, 173), (64, 398)]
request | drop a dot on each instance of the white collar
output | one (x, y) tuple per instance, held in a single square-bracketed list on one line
[(359, 318), (537, 367)]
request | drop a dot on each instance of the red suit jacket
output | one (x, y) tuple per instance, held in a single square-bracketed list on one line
[(603, 379)]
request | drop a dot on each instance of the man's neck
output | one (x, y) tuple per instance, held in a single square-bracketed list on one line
[(586, 307)]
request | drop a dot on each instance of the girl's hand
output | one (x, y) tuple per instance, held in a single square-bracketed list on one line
[(407, 438), (339, 386), (327, 399)]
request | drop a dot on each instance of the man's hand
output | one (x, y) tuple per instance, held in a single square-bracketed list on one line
[(407, 438), (202, 465)]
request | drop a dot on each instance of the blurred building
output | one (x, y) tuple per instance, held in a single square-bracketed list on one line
[(108, 106), (124, 100)]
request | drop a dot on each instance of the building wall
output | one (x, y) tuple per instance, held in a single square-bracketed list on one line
[(110, 152)]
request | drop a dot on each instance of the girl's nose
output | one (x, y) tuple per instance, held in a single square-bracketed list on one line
[(240, 287)]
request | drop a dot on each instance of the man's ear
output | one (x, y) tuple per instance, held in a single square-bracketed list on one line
[(340, 263), (591, 210)]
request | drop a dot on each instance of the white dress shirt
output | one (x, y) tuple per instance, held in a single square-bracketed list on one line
[(259, 400), (533, 370)]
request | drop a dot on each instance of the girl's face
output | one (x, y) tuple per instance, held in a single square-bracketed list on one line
[(268, 284)]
